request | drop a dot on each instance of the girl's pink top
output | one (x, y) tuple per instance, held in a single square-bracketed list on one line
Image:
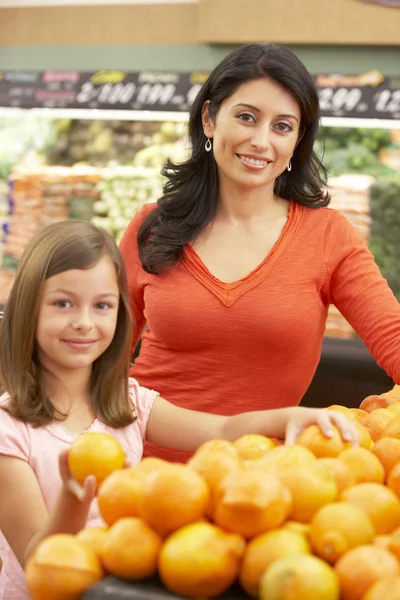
[(40, 448)]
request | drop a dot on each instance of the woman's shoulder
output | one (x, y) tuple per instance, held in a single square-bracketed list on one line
[(129, 239), (323, 217)]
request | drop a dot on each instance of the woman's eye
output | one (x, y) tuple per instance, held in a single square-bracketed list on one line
[(62, 304), (246, 117), (286, 127)]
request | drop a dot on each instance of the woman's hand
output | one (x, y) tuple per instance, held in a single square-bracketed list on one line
[(84, 493), (299, 418)]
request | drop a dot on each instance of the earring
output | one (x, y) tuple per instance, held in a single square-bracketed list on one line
[(289, 167), (208, 146)]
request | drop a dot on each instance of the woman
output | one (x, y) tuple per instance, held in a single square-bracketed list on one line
[(234, 268)]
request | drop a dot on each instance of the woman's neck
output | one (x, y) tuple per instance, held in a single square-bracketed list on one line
[(248, 204)]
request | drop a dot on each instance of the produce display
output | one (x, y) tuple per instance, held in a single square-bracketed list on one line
[(319, 520)]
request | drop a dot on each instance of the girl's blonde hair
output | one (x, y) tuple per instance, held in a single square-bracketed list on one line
[(57, 248)]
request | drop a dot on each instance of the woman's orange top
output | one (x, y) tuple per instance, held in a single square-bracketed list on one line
[(256, 343)]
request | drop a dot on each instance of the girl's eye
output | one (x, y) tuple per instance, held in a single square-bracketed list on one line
[(246, 117), (103, 305), (62, 304), (285, 127)]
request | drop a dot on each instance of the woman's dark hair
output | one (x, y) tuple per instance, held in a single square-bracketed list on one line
[(190, 196)]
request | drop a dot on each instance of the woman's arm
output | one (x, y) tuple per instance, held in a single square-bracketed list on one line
[(358, 290), (24, 520), (183, 429)]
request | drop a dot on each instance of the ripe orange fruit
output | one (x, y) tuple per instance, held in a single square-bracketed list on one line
[(261, 552), (364, 465), (149, 465), (392, 429), (249, 502), (61, 567), (393, 544), (358, 413), (341, 472), (344, 410), (361, 567), (394, 408), (95, 453), (131, 549), (299, 577), (287, 457), (393, 480), (172, 497), (378, 502), (214, 464), (253, 446), (200, 560), (297, 527), (364, 437), (118, 495), (94, 538), (338, 527), (384, 589), (321, 446), (370, 403), (376, 422), (311, 487), (387, 450)]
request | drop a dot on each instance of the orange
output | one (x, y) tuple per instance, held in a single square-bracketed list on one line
[(297, 527), (384, 589), (344, 410), (250, 502), (213, 445), (214, 464), (341, 472), (364, 465), (311, 487), (387, 450), (118, 495), (370, 403), (382, 541), (299, 577), (261, 552), (394, 408), (131, 549), (358, 412), (376, 422), (393, 544), (364, 437), (172, 497), (361, 567), (253, 446), (95, 453), (392, 429), (379, 502), (337, 527), (287, 457), (200, 560), (94, 538), (61, 567), (321, 446), (149, 465), (393, 481), (393, 393)]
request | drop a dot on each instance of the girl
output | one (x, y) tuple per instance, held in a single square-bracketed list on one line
[(64, 356)]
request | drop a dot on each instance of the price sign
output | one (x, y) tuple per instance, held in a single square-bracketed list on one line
[(370, 95)]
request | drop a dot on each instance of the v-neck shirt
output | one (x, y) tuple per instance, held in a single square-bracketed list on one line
[(255, 343)]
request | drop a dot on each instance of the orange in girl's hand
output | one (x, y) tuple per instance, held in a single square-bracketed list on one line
[(344, 410), (320, 445), (95, 453), (61, 567)]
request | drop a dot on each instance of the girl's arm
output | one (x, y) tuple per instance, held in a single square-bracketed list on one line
[(183, 429), (24, 520)]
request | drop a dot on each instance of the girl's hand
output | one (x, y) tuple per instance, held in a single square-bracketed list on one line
[(299, 418), (84, 493)]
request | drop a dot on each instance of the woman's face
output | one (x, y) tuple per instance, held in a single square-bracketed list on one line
[(254, 134)]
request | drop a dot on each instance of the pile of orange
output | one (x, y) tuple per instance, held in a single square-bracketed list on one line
[(319, 520)]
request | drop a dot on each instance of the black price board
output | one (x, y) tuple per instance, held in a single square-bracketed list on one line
[(370, 95)]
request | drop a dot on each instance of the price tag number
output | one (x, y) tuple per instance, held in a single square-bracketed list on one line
[(387, 101), (109, 93), (340, 99)]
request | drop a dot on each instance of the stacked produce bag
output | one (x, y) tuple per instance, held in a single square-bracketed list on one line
[(351, 197)]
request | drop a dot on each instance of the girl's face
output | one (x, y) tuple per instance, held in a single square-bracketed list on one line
[(254, 133), (77, 317)]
